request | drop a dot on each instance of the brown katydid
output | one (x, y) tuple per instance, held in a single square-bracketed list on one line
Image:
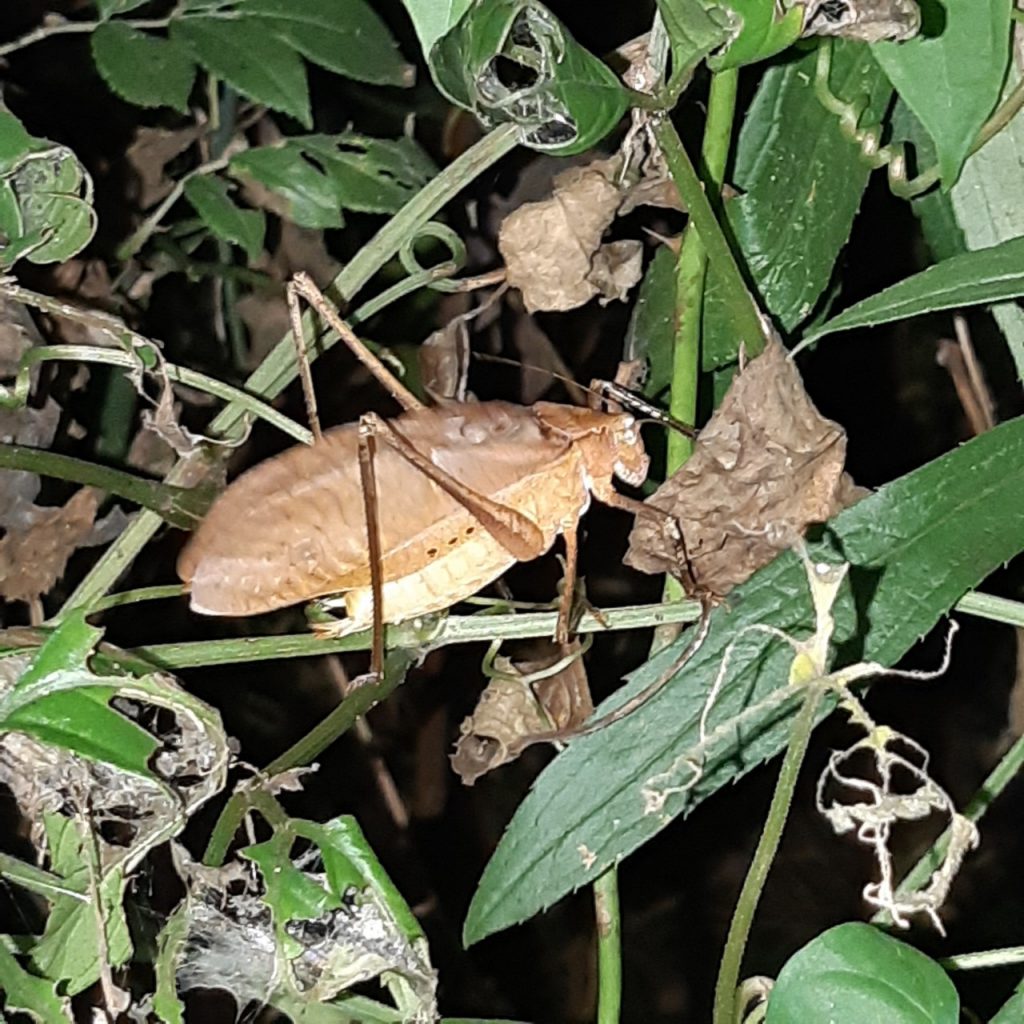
[(398, 518)]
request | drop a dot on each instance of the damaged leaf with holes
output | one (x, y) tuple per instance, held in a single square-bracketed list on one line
[(318, 176), (513, 60), (106, 759), (46, 212)]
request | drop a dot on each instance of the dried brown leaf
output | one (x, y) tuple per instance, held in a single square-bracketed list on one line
[(149, 155), (616, 268), (517, 709), (32, 559), (18, 333), (765, 466), (444, 361), (549, 246)]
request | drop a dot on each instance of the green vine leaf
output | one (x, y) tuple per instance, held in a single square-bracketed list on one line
[(952, 80), (855, 972), (239, 51), (984, 275), (345, 36), (143, 68), (321, 175), (219, 212)]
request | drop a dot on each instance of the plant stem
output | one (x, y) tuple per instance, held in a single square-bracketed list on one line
[(177, 505), (279, 368), (753, 884), (609, 947), (307, 749), (746, 318), (454, 629), (691, 270)]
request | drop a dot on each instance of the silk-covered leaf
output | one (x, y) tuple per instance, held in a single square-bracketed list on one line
[(566, 99)]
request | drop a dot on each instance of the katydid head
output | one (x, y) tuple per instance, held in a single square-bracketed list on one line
[(609, 443)]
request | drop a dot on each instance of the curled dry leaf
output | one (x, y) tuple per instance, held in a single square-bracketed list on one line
[(518, 709), (550, 247), (765, 466), (870, 21), (444, 361)]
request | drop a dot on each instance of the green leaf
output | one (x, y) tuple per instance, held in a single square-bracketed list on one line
[(802, 181), (854, 973), (285, 169), (952, 80), (652, 326), (345, 36), (319, 175), (986, 275), (988, 204), (60, 701), (764, 31), (29, 994), (15, 142), (370, 175), (915, 547), (108, 8), (209, 196), (433, 18), (569, 99), (1012, 1011), (249, 58), (142, 68), (692, 33), (71, 949)]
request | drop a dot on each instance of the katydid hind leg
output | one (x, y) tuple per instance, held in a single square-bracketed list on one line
[(518, 534), (570, 531), (302, 360), (302, 284), (368, 479)]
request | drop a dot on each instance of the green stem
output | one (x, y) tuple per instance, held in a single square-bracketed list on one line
[(454, 629), (609, 947), (753, 884), (746, 318), (128, 360), (179, 506), (691, 271), (309, 747), (279, 368)]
